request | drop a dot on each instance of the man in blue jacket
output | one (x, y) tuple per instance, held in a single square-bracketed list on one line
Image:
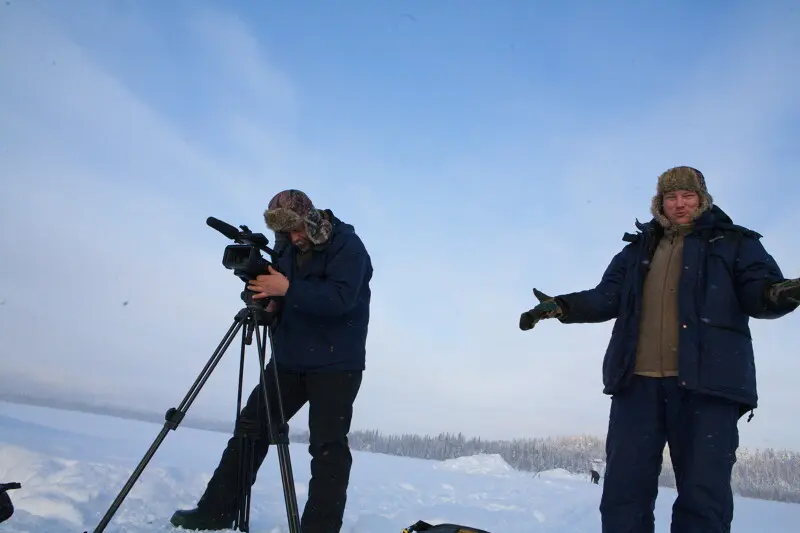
[(679, 366), (320, 295)]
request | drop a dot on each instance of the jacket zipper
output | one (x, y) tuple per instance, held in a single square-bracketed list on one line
[(664, 298)]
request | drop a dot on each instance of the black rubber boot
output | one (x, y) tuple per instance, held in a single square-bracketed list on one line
[(216, 508), (200, 519)]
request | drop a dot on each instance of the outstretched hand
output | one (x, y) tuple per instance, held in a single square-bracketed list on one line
[(547, 308), (786, 292)]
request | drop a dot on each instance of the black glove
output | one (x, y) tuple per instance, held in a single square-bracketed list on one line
[(547, 308), (785, 293)]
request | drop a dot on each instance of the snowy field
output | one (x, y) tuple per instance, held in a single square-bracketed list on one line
[(72, 465)]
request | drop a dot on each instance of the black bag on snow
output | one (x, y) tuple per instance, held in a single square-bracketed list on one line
[(441, 528)]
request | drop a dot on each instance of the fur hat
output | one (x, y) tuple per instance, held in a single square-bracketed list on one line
[(680, 178), (289, 210)]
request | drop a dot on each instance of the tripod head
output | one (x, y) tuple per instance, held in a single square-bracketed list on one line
[(245, 258)]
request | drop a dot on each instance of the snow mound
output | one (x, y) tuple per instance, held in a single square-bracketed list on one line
[(50, 486), (558, 473), (68, 488), (68, 493), (484, 464)]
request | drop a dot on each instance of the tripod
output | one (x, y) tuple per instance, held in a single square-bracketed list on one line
[(251, 317)]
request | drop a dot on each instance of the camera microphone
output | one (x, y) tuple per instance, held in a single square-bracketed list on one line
[(224, 228)]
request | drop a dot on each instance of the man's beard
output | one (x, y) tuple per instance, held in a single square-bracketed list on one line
[(303, 245)]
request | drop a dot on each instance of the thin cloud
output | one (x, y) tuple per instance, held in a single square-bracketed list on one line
[(106, 183)]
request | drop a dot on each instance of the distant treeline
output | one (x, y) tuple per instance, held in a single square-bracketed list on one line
[(765, 474)]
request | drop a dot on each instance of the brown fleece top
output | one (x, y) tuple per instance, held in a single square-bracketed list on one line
[(657, 351)]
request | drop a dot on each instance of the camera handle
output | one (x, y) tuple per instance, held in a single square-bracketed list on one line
[(251, 317)]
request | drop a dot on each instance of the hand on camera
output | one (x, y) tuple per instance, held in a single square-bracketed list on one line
[(266, 285), (547, 308)]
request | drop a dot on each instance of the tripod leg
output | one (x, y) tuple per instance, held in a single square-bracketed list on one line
[(174, 416), (246, 453), (246, 431), (279, 438)]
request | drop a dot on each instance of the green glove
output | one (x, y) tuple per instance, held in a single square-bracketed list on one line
[(785, 293), (547, 308)]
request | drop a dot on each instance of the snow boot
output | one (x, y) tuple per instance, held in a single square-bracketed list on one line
[(201, 519)]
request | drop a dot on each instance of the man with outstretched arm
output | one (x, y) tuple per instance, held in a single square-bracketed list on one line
[(679, 366), (321, 296)]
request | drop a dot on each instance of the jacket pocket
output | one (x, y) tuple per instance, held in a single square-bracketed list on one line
[(726, 327), (726, 362)]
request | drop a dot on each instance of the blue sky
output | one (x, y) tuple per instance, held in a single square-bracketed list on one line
[(479, 150)]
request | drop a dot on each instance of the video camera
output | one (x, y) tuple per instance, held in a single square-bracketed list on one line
[(245, 258)]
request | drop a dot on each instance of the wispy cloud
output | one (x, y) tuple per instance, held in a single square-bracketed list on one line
[(121, 131)]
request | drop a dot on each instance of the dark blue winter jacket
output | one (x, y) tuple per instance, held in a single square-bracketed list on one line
[(324, 317), (726, 273)]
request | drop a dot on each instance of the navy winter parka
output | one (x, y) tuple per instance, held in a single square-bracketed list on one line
[(724, 281), (324, 317)]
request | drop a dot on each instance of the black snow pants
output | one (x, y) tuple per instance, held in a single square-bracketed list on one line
[(330, 396), (703, 437)]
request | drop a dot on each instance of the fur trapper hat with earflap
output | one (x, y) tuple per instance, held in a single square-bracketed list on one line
[(291, 209), (680, 179)]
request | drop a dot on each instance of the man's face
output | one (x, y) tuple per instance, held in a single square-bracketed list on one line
[(680, 206), (300, 240)]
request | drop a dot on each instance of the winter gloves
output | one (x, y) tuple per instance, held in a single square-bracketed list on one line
[(785, 293), (782, 295), (547, 308)]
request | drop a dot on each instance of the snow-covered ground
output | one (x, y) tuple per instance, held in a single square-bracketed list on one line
[(72, 465)]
